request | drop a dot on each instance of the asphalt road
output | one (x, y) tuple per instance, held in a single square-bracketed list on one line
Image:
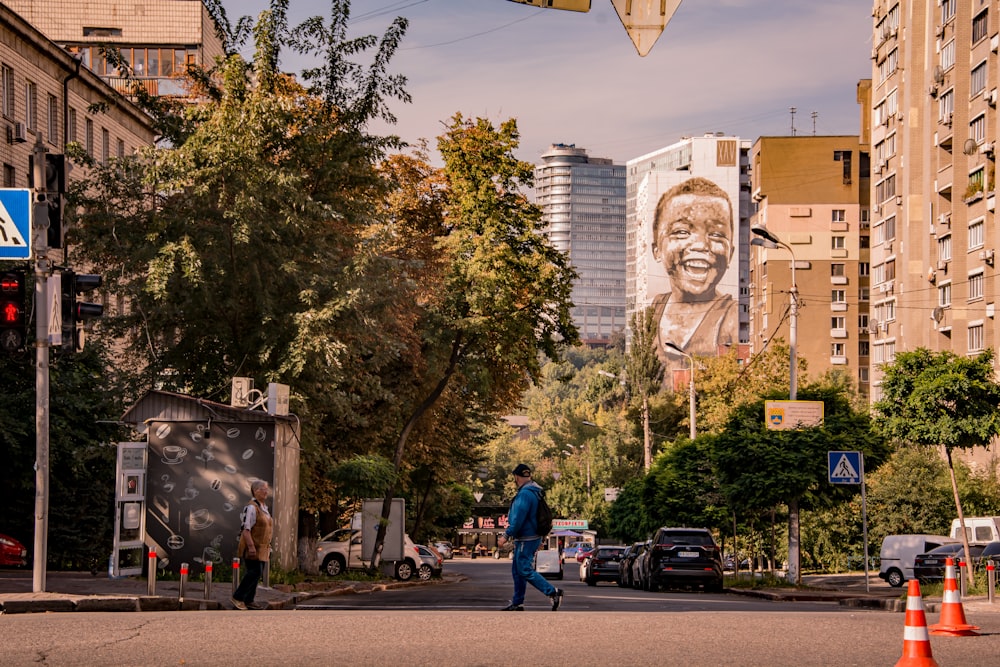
[(421, 629)]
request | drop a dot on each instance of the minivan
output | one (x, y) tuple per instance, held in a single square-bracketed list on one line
[(979, 529), (898, 552)]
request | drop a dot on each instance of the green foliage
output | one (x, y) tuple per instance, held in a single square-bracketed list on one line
[(682, 489), (910, 493)]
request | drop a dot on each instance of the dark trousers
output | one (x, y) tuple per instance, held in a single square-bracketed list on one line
[(247, 589)]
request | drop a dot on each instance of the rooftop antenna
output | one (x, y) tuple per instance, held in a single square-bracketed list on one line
[(815, 115), (792, 109)]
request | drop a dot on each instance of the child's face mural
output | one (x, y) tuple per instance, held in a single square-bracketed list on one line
[(694, 245)]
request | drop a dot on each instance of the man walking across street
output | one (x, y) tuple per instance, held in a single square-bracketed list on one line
[(522, 528)]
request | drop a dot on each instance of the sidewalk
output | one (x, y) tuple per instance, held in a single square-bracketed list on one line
[(81, 591)]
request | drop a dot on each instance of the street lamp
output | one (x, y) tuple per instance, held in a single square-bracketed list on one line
[(770, 241), (691, 394), (574, 448)]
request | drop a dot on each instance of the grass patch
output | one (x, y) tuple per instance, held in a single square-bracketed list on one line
[(757, 581)]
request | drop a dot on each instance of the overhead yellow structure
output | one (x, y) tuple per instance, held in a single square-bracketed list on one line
[(644, 20)]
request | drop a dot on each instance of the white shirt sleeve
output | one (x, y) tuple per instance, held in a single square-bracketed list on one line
[(250, 518)]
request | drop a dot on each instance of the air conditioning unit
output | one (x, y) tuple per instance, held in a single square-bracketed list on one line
[(888, 248), (995, 43), (987, 149), (945, 219), (986, 256), (942, 265), (899, 200), (20, 133), (932, 90), (947, 119), (880, 167), (940, 31), (885, 327), (991, 97)]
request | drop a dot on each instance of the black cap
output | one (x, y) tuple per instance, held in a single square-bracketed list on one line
[(522, 470)]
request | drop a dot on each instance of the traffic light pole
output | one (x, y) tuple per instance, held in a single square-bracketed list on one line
[(43, 269)]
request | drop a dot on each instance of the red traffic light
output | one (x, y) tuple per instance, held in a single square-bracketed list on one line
[(11, 313), (12, 325)]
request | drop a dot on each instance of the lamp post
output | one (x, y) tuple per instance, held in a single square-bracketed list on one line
[(582, 447), (691, 393), (768, 240)]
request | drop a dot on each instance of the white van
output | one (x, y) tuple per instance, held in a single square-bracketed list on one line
[(898, 552), (980, 529)]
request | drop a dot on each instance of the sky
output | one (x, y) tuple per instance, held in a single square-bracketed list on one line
[(731, 66)]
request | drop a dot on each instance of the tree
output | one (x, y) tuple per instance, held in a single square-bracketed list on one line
[(943, 400), (504, 294), (644, 371)]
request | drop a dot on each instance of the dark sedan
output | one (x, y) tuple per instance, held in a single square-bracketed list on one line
[(603, 565), (930, 566)]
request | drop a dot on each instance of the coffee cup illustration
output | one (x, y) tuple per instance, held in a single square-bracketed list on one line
[(173, 454)]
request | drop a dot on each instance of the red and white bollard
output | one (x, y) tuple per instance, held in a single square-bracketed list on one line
[(208, 580), (236, 574), (183, 583), (151, 574)]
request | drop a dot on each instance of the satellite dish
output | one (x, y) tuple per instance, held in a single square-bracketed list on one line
[(872, 326), (937, 313), (938, 74), (970, 147)]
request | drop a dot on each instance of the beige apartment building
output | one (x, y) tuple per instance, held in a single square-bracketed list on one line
[(934, 127), (158, 38), (811, 194), (45, 92)]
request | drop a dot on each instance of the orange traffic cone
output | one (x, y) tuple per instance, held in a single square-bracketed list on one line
[(952, 622), (916, 642)]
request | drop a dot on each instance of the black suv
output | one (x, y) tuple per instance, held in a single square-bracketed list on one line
[(685, 557), (603, 565)]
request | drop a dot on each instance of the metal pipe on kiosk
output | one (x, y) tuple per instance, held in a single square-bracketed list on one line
[(236, 573), (208, 580), (151, 574), (183, 582)]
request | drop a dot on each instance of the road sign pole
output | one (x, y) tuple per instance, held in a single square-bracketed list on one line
[(43, 269), (864, 518)]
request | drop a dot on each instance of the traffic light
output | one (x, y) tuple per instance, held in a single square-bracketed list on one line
[(55, 187), (12, 323), (75, 313)]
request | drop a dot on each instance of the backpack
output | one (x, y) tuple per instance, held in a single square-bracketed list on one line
[(543, 516)]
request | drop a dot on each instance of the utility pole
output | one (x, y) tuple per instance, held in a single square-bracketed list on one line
[(43, 269)]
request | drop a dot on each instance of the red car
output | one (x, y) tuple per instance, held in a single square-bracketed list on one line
[(583, 552), (12, 552)]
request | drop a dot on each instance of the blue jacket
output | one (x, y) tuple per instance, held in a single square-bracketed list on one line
[(523, 510)]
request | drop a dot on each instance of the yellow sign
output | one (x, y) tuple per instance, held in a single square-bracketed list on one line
[(784, 415)]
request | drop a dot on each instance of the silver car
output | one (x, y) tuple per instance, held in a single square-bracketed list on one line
[(445, 549), (431, 563)]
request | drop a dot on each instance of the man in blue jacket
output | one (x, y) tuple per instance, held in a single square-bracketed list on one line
[(522, 529)]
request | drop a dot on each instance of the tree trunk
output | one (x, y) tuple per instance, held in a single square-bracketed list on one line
[(970, 571), (647, 446)]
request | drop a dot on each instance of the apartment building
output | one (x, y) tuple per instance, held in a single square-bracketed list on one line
[(44, 91), (583, 207), (934, 127), (811, 194), (157, 38)]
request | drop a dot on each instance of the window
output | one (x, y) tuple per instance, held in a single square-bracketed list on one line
[(837, 269), (944, 248), (890, 269), (863, 372), (976, 234), (975, 182), (837, 349), (838, 296), (977, 128), (838, 322), (886, 188), (7, 83), (976, 338), (863, 321), (864, 241), (948, 55), (839, 215), (121, 149), (31, 106), (864, 347), (976, 285), (105, 146), (89, 137), (71, 129), (979, 26), (947, 10), (978, 79), (944, 295), (946, 105), (887, 67), (52, 120), (864, 268), (863, 293), (838, 242), (8, 175)]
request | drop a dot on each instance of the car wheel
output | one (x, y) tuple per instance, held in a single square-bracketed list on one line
[(425, 573), (713, 587), (894, 577), (591, 581), (333, 565), (404, 570)]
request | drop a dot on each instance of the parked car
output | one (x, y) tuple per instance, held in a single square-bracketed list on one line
[(584, 551), (341, 550), (445, 548), (569, 553), (991, 552), (898, 551), (930, 566), (12, 552), (431, 562), (639, 565), (602, 565), (625, 565), (684, 556)]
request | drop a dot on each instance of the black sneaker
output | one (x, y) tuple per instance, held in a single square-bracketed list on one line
[(556, 599), (513, 607)]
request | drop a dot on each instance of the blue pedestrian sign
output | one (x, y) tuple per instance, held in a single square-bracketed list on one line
[(15, 224), (845, 467)]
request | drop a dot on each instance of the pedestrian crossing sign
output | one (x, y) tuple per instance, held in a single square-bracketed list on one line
[(845, 467), (15, 224)]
